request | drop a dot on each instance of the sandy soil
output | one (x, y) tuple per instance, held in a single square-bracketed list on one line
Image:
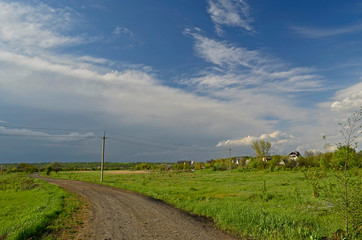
[(120, 214)]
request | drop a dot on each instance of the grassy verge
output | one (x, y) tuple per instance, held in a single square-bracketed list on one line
[(28, 206), (277, 205), (69, 221)]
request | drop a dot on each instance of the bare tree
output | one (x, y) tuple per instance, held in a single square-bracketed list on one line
[(346, 195), (350, 130)]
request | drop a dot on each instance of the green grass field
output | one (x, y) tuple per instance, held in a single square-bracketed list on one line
[(276, 205), (27, 206)]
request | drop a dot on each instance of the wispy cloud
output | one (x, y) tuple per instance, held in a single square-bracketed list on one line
[(44, 79), (240, 67), (309, 32), (234, 13), (53, 81), (230, 97), (125, 37), (119, 30), (71, 137), (27, 26), (222, 54)]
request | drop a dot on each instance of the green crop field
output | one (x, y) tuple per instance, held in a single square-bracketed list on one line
[(27, 206), (274, 205)]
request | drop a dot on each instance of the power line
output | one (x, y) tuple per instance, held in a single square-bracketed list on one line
[(141, 141), (47, 136), (170, 146), (160, 142), (142, 138), (52, 129)]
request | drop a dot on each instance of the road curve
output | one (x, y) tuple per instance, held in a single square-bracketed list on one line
[(120, 214)]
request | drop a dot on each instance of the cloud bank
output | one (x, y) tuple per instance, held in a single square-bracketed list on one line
[(242, 91)]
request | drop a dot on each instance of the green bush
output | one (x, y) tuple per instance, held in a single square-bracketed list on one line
[(340, 155)]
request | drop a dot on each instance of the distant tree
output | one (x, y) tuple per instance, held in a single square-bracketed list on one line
[(309, 154), (30, 169), (197, 166), (338, 159), (48, 170), (56, 167), (276, 159), (22, 166), (261, 148), (308, 160)]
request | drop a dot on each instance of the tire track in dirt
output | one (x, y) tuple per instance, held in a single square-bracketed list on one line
[(120, 214)]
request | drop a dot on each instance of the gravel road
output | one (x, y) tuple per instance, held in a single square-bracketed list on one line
[(120, 214)]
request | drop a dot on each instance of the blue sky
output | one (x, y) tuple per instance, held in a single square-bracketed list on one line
[(175, 80)]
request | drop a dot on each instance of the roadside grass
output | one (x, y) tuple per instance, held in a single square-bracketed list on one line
[(28, 206), (69, 221), (274, 205)]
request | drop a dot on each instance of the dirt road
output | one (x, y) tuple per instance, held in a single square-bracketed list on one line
[(120, 214)]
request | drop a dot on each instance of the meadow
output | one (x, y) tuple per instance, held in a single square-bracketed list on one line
[(28, 206), (256, 204)]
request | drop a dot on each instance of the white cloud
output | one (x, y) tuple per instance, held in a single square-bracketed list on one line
[(40, 78), (348, 103), (234, 13), (346, 100), (223, 54), (134, 96), (275, 138), (58, 138), (327, 32), (24, 27), (239, 67), (233, 98), (123, 30)]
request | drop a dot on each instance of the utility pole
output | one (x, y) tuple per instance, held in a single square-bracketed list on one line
[(230, 158), (103, 146)]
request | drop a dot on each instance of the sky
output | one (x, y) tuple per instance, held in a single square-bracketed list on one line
[(175, 80)]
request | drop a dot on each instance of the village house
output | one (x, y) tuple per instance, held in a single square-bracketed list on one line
[(191, 163)]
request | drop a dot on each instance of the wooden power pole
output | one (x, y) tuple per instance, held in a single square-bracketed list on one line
[(229, 158), (103, 146)]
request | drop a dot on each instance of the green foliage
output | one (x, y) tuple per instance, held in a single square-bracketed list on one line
[(48, 170), (276, 160), (219, 166), (333, 190), (340, 155), (345, 193), (56, 167), (256, 163), (308, 160), (197, 166), (261, 148), (141, 166)]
